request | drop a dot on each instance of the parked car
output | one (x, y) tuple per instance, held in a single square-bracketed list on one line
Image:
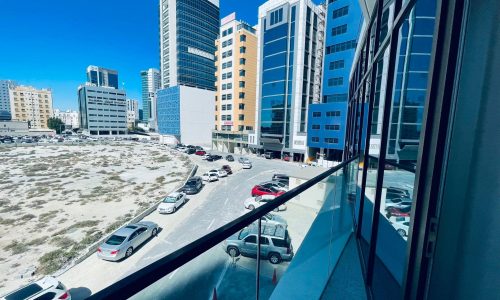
[(274, 248), (395, 192), (398, 202), (243, 159), (205, 156), (286, 157), (254, 202), (123, 242), (281, 178), (216, 157), (229, 157), (274, 219), (190, 151), (209, 177), (246, 165), (227, 168), (276, 185), (198, 147), (182, 149), (171, 203), (219, 173), (269, 154), (402, 228), (259, 190), (397, 212), (200, 152), (46, 288), (193, 185)]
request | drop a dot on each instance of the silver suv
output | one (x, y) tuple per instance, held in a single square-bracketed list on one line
[(275, 243)]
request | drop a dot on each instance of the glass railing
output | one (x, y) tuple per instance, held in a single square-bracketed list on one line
[(296, 237)]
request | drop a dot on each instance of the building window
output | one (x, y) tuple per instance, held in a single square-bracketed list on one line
[(315, 127), (230, 30), (332, 127), (224, 86), (276, 16), (229, 106), (241, 117), (228, 117), (242, 95), (331, 140), (242, 73), (335, 113), (224, 97), (336, 81), (315, 139), (339, 30), (243, 38), (223, 107), (249, 127), (224, 75), (229, 75), (338, 64), (335, 98), (242, 84), (240, 127), (316, 114), (243, 49), (229, 96), (229, 86), (341, 47), (241, 106), (340, 12), (242, 61)]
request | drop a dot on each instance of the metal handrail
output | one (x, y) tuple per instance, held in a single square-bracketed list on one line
[(141, 279)]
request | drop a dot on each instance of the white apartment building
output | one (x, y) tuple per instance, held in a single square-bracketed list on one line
[(31, 105), (132, 112), (69, 117)]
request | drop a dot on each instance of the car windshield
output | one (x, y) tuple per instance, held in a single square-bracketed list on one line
[(191, 183), (115, 240), (25, 292), (169, 199)]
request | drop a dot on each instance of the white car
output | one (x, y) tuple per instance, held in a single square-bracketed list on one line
[(204, 157), (45, 288), (402, 228), (182, 149), (218, 173), (254, 202), (209, 177), (246, 165), (276, 185), (171, 203)]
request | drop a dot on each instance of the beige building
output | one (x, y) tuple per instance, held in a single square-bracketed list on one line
[(236, 76), (32, 105)]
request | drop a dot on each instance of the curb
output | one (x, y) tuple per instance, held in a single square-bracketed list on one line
[(93, 248)]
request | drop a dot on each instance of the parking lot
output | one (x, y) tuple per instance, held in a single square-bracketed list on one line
[(216, 204)]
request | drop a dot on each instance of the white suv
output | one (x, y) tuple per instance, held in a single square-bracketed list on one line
[(45, 288)]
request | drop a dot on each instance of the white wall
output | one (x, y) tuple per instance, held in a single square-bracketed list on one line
[(196, 116)]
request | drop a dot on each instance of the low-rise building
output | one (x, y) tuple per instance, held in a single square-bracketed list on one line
[(69, 117)]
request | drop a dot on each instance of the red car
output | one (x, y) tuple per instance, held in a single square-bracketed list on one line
[(397, 212), (260, 190), (200, 152)]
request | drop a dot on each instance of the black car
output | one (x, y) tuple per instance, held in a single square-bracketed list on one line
[(281, 178), (396, 192), (193, 185), (229, 158), (216, 157), (198, 147), (227, 169), (190, 151)]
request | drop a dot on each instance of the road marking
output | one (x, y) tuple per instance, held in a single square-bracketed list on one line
[(211, 223), (220, 278), (173, 273), (227, 199)]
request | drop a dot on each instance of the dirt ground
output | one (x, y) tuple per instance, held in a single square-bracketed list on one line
[(57, 200)]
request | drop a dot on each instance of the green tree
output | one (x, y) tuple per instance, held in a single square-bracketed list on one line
[(56, 124)]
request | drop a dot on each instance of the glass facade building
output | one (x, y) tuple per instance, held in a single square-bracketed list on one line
[(188, 30), (289, 74), (150, 83), (102, 77), (326, 120)]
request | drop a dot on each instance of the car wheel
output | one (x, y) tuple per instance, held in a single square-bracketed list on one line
[(251, 207), (129, 252), (174, 209), (274, 258), (402, 232), (154, 232), (233, 251), (276, 209)]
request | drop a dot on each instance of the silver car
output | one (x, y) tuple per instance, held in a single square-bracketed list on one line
[(123, 242), (276, 248)]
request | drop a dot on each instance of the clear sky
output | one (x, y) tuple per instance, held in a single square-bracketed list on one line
[(49, 43)]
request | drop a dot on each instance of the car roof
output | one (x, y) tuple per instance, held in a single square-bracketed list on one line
[(33, 288), (174, 194)]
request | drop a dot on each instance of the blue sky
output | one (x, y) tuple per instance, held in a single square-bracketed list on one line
[(49, 43)]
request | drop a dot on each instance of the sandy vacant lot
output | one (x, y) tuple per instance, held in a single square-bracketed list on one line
[(57, 200)]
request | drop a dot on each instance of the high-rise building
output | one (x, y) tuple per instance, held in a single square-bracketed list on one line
[(69, 117), (4, 95), (132, 112), (236, 75), (188, 30), (288, 74), (102, 76), (31, 105), (150, 81), (327, 119), (103, 110)]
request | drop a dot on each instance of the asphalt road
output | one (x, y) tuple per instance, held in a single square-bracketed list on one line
[(217, 204)]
